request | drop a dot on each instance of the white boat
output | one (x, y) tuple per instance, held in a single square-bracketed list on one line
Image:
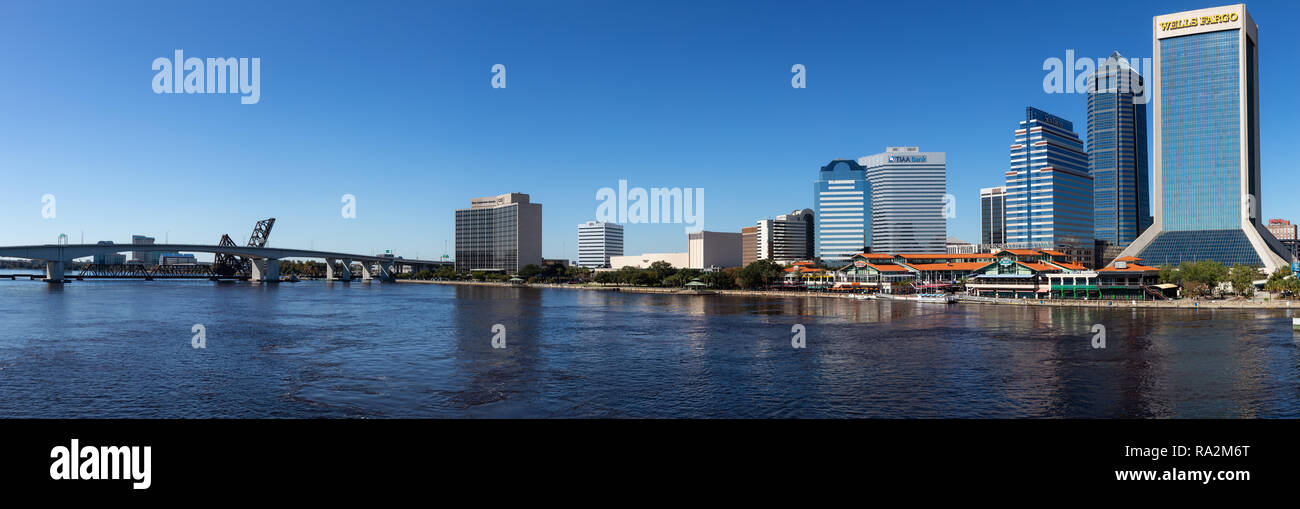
[(941, 298), (865, 296)]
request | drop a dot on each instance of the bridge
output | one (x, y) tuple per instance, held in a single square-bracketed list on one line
[(265, 266)]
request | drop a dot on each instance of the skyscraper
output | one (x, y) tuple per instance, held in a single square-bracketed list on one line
[(841, 196), (597, 241), (993, 209), (907, 200), (786, 239), (499, 233), (1117, 155), (1207, 179), (1049, 191)]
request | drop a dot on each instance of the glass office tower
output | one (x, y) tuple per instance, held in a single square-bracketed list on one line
[(1206, 115), (1117, 155), (842, 197), (1049, 191)]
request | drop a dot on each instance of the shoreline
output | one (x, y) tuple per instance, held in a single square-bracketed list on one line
[(961, 299)]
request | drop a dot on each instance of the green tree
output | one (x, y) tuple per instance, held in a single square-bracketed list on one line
[(1243, 278), (721, 280), (759, 274), (1170, 275)]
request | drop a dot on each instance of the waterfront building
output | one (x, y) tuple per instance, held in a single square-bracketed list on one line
[(1282, 229), (1206, 143), (993, 214), (1117, 155), (597, 242), (1048, 189), (644, 260), (713, 250), (144, 257), (907, 200), (499, 234), (1005, 273), (748, 245), (786, 239), (841, 197)]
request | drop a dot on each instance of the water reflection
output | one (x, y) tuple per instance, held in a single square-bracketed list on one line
[(410, 350)]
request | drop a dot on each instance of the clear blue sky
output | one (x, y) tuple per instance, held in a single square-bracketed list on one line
[(392, 102)]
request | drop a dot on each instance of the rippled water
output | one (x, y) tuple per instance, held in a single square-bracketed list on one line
[(123, 349)]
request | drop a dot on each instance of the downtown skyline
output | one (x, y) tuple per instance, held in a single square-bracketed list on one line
[(413, 143)]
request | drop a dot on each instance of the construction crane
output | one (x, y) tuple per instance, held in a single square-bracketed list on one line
[(229, 265)]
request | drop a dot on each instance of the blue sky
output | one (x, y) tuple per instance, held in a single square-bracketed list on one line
[(392, 102)]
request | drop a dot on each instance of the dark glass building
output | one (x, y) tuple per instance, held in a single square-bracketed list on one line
[(1117, 155)]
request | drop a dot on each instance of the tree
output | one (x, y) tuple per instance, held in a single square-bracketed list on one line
[(759, 273), (1283, 282), (1169, 275), (1201, 278), (721, 280), (530, 270), (681, 277), (1243, 279)]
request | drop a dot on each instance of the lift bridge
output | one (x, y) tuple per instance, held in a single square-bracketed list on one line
[(253, 261)]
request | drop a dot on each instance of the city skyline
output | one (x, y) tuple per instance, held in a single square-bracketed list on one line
[(310, 160)]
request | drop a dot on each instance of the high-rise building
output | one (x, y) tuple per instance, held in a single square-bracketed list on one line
[(786, 239), (1206, 113), (710, 250), (499, 233), (1117, 155), (1282, 229), (597, 242), (1049, 191), (144, 257), (748, 245), (842, 197), (993, 214), (907, 200)]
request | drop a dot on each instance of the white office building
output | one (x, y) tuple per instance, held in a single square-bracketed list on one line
[(598, 242), (786, 239), (907, 200)]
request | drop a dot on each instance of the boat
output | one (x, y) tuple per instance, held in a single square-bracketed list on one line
[(865, 296), (940, 298)]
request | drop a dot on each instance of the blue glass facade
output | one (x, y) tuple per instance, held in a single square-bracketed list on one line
[(1207, 143), (842, 198), (1201, 138), (1117, 153), (1049, 191)]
